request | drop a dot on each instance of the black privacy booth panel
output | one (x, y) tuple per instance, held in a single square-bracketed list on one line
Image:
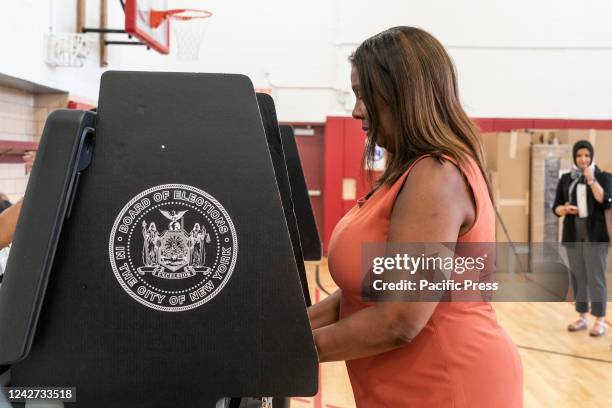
[(280, 164), (309, 235), (174, 281)]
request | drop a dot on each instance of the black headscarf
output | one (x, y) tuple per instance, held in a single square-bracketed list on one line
[(576, 173), (583, 144)]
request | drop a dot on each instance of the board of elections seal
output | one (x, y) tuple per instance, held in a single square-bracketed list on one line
[(173, 247)]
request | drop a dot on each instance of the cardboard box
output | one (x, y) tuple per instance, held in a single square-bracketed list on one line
[(512, 218), (508, 162), (515, 218), (547, 164), (571, 136), (507, 154), (543, 136)]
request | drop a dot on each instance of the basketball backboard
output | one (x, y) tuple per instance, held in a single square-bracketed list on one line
[(138, 22)]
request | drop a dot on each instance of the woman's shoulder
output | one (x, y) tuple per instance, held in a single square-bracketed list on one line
[(604, 178), (601, 172), (433, 177), (434, 170), (565, 176)]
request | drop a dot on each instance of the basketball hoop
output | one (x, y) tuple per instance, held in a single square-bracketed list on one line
[(189, 26)]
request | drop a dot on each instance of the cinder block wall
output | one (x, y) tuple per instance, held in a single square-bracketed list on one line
[(17, 115), (22, 118)]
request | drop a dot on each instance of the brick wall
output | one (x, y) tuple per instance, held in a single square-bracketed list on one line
[(22, 118)]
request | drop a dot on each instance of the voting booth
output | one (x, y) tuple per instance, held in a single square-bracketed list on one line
[(157, 260)]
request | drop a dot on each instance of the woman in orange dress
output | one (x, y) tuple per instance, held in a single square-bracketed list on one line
[(434, 190)]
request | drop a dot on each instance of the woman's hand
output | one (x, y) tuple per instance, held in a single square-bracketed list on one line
[(28, 159), (570, 209), (566, 209), (588, 174)]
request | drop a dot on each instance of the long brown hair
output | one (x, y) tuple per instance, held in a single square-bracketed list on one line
[(409, 70)]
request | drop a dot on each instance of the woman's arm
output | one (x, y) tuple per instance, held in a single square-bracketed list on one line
[(325, 312), (559, 210), (8, 222), (560, 207), (565, 209), (433, 206), (559, 204), (596, 188), (607, 187), (9, 217)]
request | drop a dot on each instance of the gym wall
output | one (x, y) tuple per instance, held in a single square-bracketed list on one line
[(556, 52)]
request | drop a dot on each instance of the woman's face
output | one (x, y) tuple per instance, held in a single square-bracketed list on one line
[(360, 112), (583, 158)]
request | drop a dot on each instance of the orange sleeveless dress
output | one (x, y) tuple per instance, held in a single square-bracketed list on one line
[(462, 357)]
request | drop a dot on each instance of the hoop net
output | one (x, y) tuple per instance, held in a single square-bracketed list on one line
[(189, 27)]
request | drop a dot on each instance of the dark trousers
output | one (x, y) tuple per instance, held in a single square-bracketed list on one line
[(587, 261)]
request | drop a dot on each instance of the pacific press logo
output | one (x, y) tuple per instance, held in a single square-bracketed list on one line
[(173, 247)]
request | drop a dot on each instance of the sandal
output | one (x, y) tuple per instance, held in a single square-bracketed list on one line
[(599, 329), (578, 325)]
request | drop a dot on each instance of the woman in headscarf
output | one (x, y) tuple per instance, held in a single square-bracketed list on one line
[(582, 196)]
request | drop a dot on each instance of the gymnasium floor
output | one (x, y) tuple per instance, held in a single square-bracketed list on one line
[(561, 369)]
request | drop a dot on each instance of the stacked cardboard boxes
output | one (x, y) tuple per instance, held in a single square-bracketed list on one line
[(508, 162)]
